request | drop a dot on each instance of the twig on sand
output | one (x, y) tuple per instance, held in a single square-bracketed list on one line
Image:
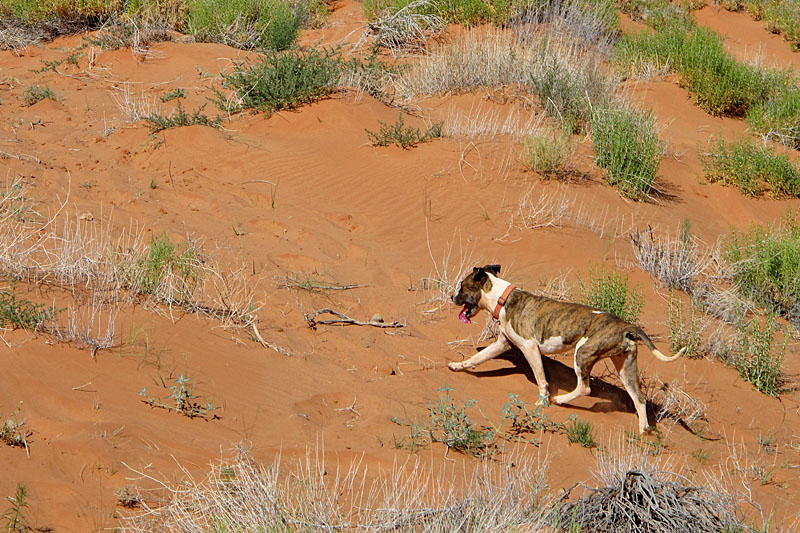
[(270, 345), (344, 319)]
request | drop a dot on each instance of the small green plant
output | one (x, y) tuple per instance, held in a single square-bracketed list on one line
[(682, 333), (153, 184), (609, 291), (37, 93), (580, 432), (172, 95), (524, 420), (181, 118), (181, 400), (450, 424), (750, 166), (165, 271), (19, 312), (13, 431), (547, 153), (404, 136), (700, 455), (16, 518), (280, 80), (626, 145)]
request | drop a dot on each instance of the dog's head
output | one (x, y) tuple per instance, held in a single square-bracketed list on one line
[(471, 291)]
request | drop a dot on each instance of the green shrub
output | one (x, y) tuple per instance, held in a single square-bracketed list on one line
[(581, 432), (748, 166), (755, 358), (569, 93), (547, 153), (16, 312), (778, 117), (683, 333), (270, 24), (165, 272), (280, 80), (783, 17), (37, 93), (32, 11), (766, 267), (181, 118), (657, 13), (608, 291), (626, 145), (404, 136), (718, 83)]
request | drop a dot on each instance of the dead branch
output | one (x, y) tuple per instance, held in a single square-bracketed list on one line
[(344, 319), (270, 345)]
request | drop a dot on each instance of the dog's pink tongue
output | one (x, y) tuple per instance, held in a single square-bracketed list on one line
[(462, 316)]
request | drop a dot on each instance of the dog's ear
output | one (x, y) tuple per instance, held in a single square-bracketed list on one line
[(494, 269), (479, 274)]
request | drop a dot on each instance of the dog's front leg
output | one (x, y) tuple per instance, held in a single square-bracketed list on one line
[(493, 350), (534, 358)]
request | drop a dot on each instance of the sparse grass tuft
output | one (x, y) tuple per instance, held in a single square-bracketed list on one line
[(181, 118), (166, 272), (749, 166), (684, 333), (608, 291), (547, 152), (675, 262), (627, 146), (404, 136), (280, 80), (37, 93), (580, 432)]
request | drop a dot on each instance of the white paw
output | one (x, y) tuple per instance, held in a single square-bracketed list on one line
[(455, 367), (560, 399)]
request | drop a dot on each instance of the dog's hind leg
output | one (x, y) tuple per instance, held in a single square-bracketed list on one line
[(583, 367), (627, 367), (493, 350)]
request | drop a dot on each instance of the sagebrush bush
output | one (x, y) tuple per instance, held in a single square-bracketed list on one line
[(627, 146), (280, 80), (782, 16), (609, 291), (547, 152), (404, 136), (749, 166), (766, 266), (37, 93)]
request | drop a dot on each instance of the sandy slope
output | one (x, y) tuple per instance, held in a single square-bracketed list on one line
[(345, 212)]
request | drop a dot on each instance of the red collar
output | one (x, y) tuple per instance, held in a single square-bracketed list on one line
[(502, 301)]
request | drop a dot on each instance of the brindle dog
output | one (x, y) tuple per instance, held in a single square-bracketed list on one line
[(538, 325)]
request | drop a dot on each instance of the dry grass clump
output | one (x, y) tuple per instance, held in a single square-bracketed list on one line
[(642, 493), (675, 262), (672, 402), (241, 495), (104, 268)]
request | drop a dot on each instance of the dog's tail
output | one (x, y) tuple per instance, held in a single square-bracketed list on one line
[(637, 333)]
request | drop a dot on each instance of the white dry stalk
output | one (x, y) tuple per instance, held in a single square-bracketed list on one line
[(550, 209), (482, 121), (679, 263), (134, 108), (447, 274), (406, 29), (674, 403)]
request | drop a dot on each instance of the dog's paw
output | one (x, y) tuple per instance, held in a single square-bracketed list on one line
[(455, 367)]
